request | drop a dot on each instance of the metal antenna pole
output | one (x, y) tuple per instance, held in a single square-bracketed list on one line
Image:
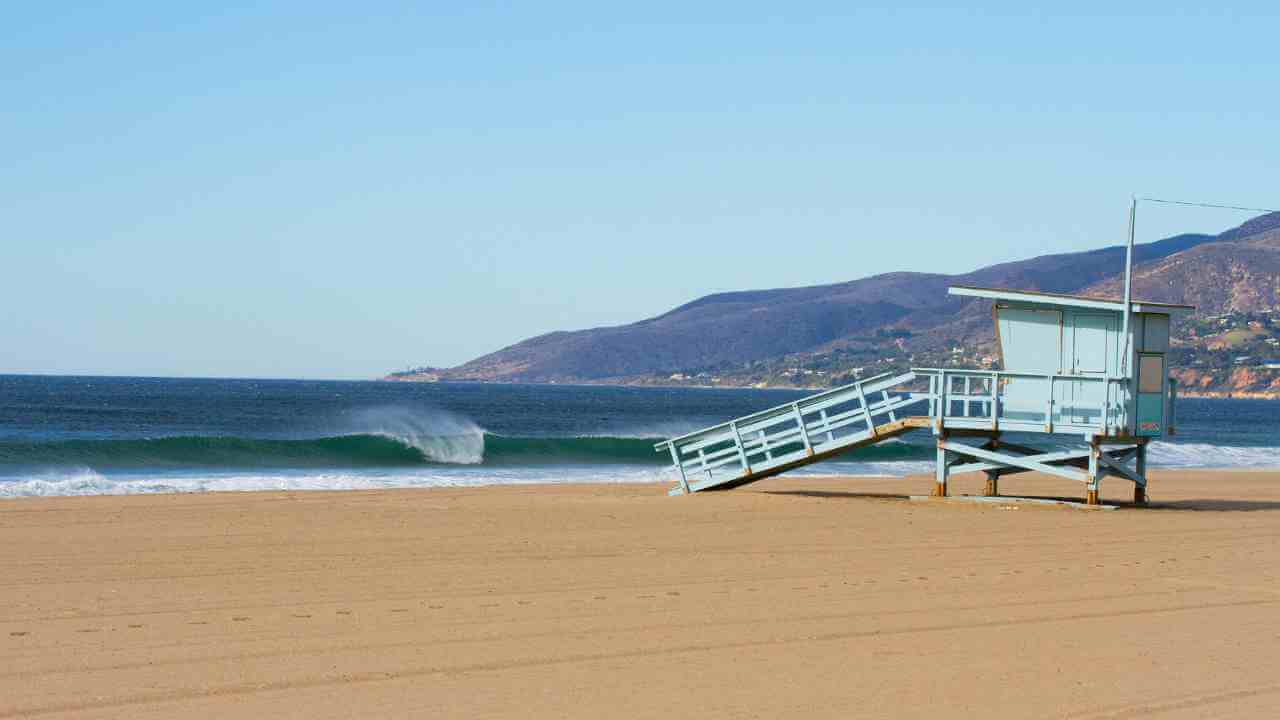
[(1128, 282), (1128, 303), (1128, 255)]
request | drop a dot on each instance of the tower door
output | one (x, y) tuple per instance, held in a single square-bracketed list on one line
[(1093, 354), (1031, 341), (1151, 394)]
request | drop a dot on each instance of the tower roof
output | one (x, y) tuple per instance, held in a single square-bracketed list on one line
[(1044, 298)]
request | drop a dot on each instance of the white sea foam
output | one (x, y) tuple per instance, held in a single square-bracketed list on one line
[(77, 481), (1191, 455), (83, 481)]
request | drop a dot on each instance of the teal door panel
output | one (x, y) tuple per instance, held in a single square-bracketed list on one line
[(1150, 414), (1150, 394)]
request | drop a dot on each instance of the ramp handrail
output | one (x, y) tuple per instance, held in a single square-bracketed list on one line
[(786, 434), (770, 411)]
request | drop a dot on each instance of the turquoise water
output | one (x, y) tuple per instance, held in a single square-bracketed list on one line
[(81, 435)]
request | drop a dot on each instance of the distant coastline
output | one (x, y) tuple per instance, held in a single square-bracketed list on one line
[(1198, 394)]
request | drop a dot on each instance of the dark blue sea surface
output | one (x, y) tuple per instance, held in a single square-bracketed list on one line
[(94, 435)]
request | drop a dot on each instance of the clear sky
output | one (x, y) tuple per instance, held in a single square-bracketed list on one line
[(343, 189)]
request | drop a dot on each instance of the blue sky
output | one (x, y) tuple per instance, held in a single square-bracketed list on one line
[(339, 190)]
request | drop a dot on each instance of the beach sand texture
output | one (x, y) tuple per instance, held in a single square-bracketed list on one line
[(795, 597)]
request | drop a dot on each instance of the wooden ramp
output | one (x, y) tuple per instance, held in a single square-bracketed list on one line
[(789, 436)]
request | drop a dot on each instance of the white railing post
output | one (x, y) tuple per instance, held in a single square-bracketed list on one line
[(1106, 405), (995, 401), (866, 411), (884, 395), (804, 432), (933, 395), (1048, 408), (675, 458), (943, 398), (742, 452)]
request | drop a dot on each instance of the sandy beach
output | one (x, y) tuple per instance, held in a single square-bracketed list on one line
[(795, 597)]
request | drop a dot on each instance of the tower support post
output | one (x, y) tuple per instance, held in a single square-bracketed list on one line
[(1096, 472), (993, 476), (942, 469), (1140, 486)]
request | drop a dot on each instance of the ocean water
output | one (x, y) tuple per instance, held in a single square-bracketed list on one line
[(89, 436)]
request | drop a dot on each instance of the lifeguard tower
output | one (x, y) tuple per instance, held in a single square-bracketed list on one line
[(1069, 366), (1092, 372)]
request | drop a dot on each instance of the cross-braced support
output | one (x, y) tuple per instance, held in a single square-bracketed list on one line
[(1089, 466), (1115, 463)]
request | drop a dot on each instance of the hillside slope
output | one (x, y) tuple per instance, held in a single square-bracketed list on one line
[(830, 331)]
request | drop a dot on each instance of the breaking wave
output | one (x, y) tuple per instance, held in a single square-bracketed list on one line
[(361, 450), (386, 450)]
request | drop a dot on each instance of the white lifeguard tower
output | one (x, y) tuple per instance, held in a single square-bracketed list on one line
[(1091, 371), (1070, 365)]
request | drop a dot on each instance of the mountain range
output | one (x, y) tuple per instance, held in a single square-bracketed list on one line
[(823, 334)]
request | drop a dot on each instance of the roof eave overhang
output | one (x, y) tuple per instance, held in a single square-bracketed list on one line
[(1067, 300)]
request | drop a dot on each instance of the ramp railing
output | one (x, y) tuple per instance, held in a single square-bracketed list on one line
[(764, 442)]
